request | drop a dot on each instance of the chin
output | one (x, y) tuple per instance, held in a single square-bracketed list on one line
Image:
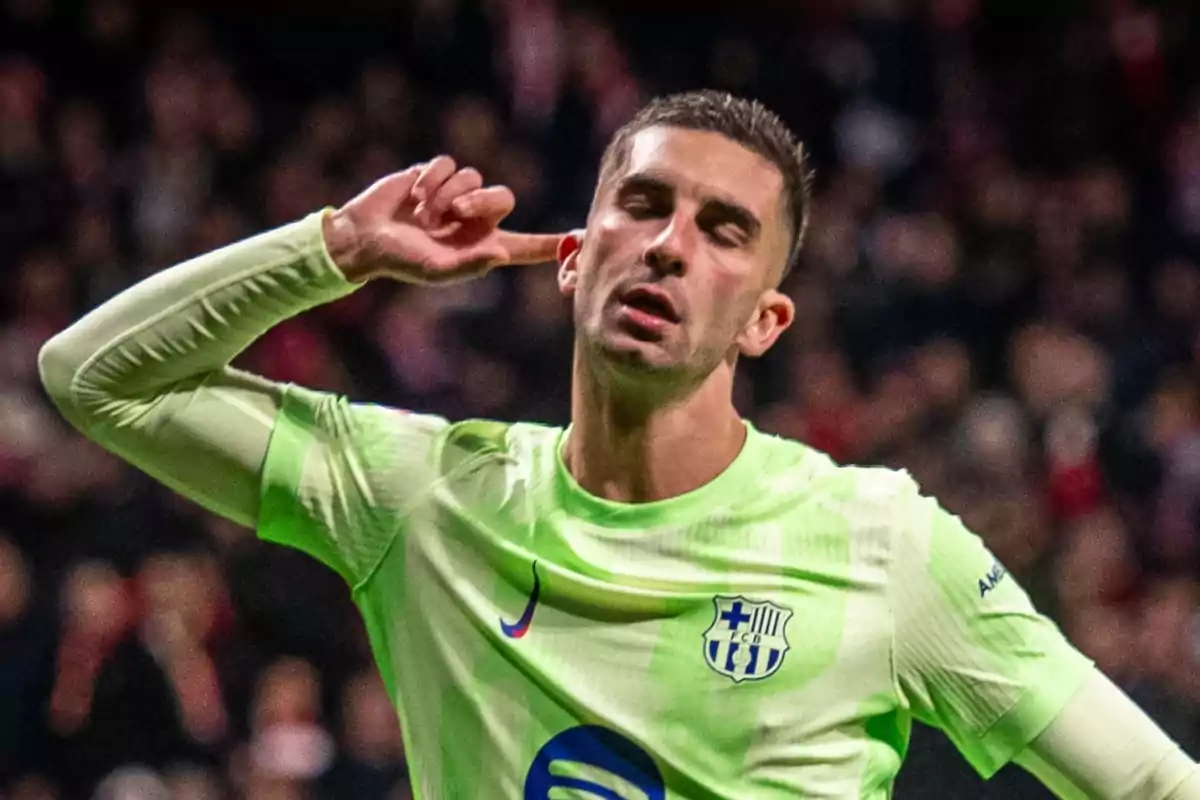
[(635, 357)]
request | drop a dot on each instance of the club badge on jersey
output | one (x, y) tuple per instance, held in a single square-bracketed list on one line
[(747, 639)]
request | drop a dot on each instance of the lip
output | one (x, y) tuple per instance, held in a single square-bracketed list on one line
[(644, 291)]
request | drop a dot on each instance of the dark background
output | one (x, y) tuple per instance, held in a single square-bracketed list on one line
[(1000, 293)]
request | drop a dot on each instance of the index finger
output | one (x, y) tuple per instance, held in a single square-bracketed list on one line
[(530, 248)]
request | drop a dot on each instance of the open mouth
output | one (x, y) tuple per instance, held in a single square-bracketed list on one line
[(651, 302)]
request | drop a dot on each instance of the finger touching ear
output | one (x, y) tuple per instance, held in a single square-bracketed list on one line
[(568, 257), (569, 248), (570, 244), (528, 248)]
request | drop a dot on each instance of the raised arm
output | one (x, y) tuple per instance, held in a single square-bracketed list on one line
[(147, 376)]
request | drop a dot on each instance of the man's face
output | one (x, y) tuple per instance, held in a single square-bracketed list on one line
[(683, 248)]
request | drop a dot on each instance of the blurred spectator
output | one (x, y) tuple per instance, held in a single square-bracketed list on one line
[(26, 663), (33, 787), (1174, 433), (371, 766), (823, 407), (109, 705), (132, 783), (288, 748)]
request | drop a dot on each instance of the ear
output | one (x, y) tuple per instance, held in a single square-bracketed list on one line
[(568, 261), (772, 316)]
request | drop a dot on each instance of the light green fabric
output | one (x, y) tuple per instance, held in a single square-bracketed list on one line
[(769, 635), (874, 593)]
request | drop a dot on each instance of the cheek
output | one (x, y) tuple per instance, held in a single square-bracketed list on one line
[(729, 294), (614, 259), (590, 290), (619, 242), (733, 303), (610, 253)]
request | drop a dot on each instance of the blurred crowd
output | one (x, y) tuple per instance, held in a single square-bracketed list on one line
[(1000, 293)]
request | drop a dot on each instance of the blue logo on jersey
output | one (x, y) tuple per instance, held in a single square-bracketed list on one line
[(595, 762), (747, 639), (994, 576)]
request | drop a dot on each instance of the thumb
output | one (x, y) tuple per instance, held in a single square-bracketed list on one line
[(529, 248)]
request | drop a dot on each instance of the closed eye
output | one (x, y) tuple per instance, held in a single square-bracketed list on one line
[(728, 235), (727, 224), (644, 197), (640, 205), (639, 208)]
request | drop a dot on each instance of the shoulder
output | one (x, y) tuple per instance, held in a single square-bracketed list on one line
[(862, 515), (861, 491), (876, 507), (876, 504)]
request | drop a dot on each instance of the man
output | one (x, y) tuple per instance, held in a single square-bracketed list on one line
[(659, 601)]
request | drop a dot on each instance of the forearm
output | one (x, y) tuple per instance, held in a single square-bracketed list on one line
[(192, 318), (1103, 747), (146, 374)]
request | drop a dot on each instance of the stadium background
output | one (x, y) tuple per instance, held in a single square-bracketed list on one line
[(1000, 293)]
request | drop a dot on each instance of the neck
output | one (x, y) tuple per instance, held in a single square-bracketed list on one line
[(637, 452)]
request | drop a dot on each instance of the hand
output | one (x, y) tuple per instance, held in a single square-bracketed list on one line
[(432, 223)]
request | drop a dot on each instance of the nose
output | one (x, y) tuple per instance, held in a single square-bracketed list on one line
[(667, 253)]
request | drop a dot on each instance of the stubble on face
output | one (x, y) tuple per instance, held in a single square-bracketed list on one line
[(698, 217)]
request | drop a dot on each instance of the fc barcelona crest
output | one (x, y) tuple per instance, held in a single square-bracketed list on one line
[(747, 639)]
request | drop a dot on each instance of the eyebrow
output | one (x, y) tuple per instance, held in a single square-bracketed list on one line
[(728, 209)]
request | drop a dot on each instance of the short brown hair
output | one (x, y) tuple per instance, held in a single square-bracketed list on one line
[(747, 122)]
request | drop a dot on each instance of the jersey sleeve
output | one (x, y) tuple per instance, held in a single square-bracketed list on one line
[(973, 657), (1104, 747), (147, 374), (341, 478)]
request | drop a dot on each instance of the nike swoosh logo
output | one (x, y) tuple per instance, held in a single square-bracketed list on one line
[(521, 626)]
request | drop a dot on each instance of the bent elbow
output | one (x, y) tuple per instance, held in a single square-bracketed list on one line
[(57, 364), (60, 362)]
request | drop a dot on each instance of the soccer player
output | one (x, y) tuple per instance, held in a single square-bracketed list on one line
[(658, 601)]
